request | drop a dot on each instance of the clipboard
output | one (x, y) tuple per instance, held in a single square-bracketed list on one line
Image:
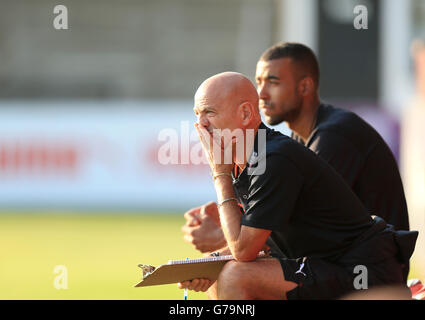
[(183, 270)]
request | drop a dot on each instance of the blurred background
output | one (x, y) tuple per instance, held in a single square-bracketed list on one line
[(86, 112)]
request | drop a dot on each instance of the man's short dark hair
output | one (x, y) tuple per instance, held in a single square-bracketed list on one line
[(299, 53)]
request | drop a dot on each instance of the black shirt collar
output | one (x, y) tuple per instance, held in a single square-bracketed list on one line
[(320, 117), (254, 152)]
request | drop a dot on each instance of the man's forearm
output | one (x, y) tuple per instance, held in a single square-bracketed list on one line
[(229, 211), (244, 242)]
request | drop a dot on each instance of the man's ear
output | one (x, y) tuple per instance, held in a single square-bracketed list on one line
[(246, 112), (306, 86)]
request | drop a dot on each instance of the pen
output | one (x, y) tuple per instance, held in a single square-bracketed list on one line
[(185, 290)]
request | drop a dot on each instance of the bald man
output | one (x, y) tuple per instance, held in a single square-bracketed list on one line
[(293, 201), (287, 79)]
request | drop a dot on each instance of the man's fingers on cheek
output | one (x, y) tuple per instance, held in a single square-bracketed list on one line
[(205, 138), (201, 133)]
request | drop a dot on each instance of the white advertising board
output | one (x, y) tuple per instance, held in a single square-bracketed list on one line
[(100, 155)]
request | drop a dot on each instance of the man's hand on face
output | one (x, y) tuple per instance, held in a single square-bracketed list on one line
[(202, 228), (216, 149)]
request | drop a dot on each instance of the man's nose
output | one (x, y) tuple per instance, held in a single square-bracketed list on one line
[(262, 92), (203, 121)]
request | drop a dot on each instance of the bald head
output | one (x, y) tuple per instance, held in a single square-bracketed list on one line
[(228, 89), (227, 100)]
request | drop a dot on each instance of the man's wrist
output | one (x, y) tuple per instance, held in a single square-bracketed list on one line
[(222, 202), (224, 188), (221, 175)]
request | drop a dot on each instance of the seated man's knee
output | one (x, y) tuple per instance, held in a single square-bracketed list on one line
[(234, 281), (233, 273)]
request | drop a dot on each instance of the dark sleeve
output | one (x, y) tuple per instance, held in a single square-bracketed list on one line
[(340, 153), (272, 196)]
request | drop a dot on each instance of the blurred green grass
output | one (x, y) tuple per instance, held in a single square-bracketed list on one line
[(100, 252)]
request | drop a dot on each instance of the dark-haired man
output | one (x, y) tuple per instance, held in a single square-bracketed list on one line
[(288, 86), (287, 79)]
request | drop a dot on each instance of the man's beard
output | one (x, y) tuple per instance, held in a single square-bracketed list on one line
[(288, 116)]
